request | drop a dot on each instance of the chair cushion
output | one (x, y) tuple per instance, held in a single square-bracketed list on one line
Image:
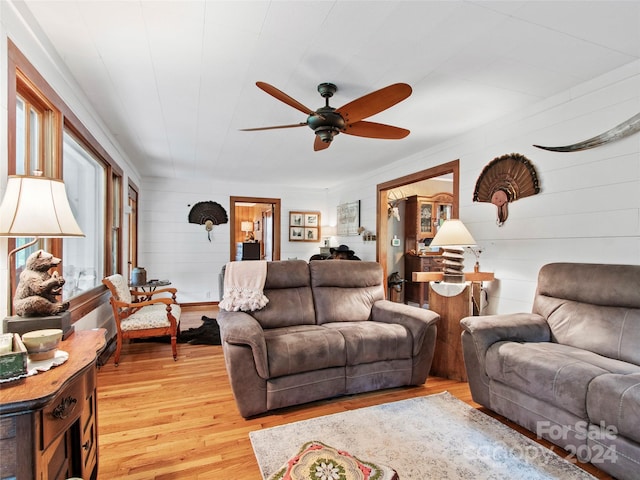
[(614, 400), (303, 348), (123, 293), (558, 374), (151, 316), (369, 341)]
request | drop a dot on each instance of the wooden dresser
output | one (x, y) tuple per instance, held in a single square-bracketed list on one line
[(417, 292), (48, 422)]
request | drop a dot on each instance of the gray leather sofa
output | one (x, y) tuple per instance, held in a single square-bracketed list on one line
[(570, 370), (326, 331)]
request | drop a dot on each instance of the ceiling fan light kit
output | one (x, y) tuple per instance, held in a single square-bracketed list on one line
[(327, 122)]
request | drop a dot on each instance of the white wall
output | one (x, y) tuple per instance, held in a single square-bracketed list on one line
[(588, 209), (172, 248)]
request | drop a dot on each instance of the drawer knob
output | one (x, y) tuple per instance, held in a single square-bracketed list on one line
[(85, 445), (67, 405)]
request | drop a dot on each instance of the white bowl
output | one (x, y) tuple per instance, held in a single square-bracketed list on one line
[(42, 344)]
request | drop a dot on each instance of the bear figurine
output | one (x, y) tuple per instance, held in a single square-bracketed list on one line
[(37, 289)]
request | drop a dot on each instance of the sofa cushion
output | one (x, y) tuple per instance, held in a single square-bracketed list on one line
[(591, 306), (345, 290), (288, 288), (551, 372), (367, 342), (303, 348), (610, 331), (614, 400)]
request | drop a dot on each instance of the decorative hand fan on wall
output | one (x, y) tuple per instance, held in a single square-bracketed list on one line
[(327, 122), (208, 214), (506, 179)]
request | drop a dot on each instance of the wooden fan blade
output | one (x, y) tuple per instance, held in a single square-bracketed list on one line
[(374, 102), (273, 128), (283, 97), (318, 144), (375, 130)]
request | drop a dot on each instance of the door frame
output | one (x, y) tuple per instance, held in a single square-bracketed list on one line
[(452, 167), (275, 202)]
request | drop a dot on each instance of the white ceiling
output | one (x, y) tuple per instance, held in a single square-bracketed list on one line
[(174, 81)]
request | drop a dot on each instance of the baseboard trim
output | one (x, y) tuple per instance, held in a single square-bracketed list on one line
[(198, 305)]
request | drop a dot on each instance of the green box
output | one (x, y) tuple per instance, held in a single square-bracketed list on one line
[(14, 363)]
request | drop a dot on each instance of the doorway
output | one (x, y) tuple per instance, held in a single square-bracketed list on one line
[(260, 218), (384, 239)]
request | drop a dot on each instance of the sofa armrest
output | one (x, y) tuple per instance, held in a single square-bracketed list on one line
[(416, 320), (240, 328), (519, 327)]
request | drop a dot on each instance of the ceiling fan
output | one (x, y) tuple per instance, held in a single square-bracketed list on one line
[(327, 122)]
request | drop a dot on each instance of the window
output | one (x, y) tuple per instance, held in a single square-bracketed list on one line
[(133, 229), (84, 177), (49, 137), (36, 120)]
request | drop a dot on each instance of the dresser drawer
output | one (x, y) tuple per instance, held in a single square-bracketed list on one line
[(60, 413)]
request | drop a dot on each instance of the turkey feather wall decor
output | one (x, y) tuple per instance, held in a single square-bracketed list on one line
[(506, 179), (208, 214)]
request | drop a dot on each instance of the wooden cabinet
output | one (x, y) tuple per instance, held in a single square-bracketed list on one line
[(248, 251), (423, 216), (417, 292), (48, 422)]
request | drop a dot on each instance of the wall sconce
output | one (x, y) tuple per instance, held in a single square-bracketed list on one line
[(247, 228), (35, 207), (453, 237)]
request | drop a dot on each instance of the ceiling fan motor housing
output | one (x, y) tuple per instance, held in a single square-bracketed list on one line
[(326, 123)]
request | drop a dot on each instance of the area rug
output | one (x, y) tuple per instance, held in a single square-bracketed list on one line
[(431, 437)]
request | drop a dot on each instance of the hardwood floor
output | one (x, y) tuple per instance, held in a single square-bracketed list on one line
[(164, 419)]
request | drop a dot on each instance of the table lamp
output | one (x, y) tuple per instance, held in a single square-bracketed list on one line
[(453, 237), (328, 231), (247, 228), (35, 206)]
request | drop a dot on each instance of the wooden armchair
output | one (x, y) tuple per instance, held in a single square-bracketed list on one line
[(152, 316)]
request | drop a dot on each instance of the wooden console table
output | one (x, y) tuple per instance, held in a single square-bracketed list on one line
[(48, 422), (453, 302)]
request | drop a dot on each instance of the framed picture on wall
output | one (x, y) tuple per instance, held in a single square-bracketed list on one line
[(304, 226), (348, 218), (311, 234), (296, 219)]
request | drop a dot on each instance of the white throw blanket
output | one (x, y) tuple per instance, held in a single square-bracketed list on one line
[(244, 285)]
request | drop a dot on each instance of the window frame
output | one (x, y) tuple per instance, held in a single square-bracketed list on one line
[(26, 81)]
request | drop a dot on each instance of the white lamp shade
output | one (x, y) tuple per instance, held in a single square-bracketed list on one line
[(329, 231), (36, 207), (246, 226), (452, 233)]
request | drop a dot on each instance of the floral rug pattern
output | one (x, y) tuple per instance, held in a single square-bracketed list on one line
[(318, 461)]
